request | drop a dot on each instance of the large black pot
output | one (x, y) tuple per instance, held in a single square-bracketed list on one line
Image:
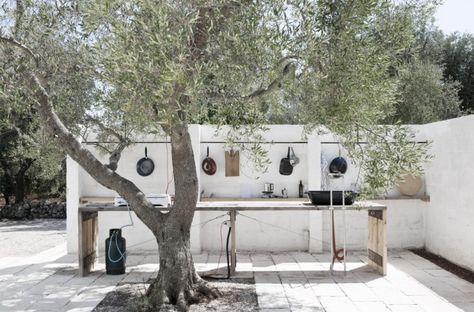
[(323, 198)]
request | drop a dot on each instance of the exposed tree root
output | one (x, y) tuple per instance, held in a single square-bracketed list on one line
[(199, 291)]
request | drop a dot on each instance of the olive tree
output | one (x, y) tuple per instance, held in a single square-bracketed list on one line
[(29, 158), (159, 66)]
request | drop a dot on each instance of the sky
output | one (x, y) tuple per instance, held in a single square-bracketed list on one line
[(456, 15)]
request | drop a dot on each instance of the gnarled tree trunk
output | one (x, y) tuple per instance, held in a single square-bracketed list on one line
[(8, 187), (20, 180), (177, 282)]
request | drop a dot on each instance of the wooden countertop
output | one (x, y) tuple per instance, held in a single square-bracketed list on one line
[(258, 205), (85, 200), (253, 199)]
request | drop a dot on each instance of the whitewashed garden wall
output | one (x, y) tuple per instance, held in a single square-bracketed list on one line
[(443, 224)]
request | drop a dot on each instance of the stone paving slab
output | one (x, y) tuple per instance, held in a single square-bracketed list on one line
[(285, 282)]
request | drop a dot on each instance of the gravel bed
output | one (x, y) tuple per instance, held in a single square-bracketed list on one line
[(27, 237), (238, 295)]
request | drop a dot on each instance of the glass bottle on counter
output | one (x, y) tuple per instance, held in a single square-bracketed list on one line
[(300, 189)]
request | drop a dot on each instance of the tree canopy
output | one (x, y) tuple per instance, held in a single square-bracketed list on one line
[(129, 66)]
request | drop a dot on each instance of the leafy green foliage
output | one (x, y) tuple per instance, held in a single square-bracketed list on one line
[(454, 53), (458, 59), (139, 65), (63, 63), (423, 95)]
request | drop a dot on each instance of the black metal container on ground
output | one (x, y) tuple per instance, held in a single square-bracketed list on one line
[(323, 197), (115, 249)]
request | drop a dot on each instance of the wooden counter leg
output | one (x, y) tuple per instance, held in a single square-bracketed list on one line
[(233, 247), (87, 248), (377, 243)]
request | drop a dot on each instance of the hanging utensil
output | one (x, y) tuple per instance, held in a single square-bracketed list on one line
[(145, 166), (294, 160), (208, 164), (232, 163), (286, 168), (338, 165)]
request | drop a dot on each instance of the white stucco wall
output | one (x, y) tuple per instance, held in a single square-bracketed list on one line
[(274, 231), (449, 220)]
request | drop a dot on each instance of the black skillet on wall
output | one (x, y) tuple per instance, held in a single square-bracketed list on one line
[(145, 165)]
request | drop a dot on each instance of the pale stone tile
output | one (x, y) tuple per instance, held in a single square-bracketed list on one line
[(302, 297), (392, 296), (365, 306), (454, 296), (292, 274), (422, 263), (80, 306), (358, 292), (466, 307), (405, 308), (18, 303), (306, 309), (459, 284), (261, 257), (326, 289), (434, 303), (338, 304), (269, 301), (267, 278), (439, 273)]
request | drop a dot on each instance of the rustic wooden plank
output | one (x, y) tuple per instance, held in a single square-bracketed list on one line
[(86, 215), (377, 245), (95, 239), (252, 199), (245, 206), (87, 241), (86, 200), (88, 236), (232, 163), (80, 249)]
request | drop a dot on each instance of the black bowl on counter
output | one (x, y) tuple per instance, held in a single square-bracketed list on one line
[(322, 198)]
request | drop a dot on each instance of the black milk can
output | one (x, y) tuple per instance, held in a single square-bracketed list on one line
[(115, 253)]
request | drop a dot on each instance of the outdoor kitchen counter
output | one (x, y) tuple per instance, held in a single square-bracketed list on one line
[(377, 219)]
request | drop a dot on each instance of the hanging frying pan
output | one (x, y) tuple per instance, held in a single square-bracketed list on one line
[(208, 164), (145, 165)]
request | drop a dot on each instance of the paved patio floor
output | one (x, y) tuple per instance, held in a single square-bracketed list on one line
[(48, 281)]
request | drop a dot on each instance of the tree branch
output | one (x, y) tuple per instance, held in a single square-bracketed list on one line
[(100, 172), (20, 11), (106, 129), (289, 69), (116, 154), (22, 47), (8, 132), (206, 22)]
